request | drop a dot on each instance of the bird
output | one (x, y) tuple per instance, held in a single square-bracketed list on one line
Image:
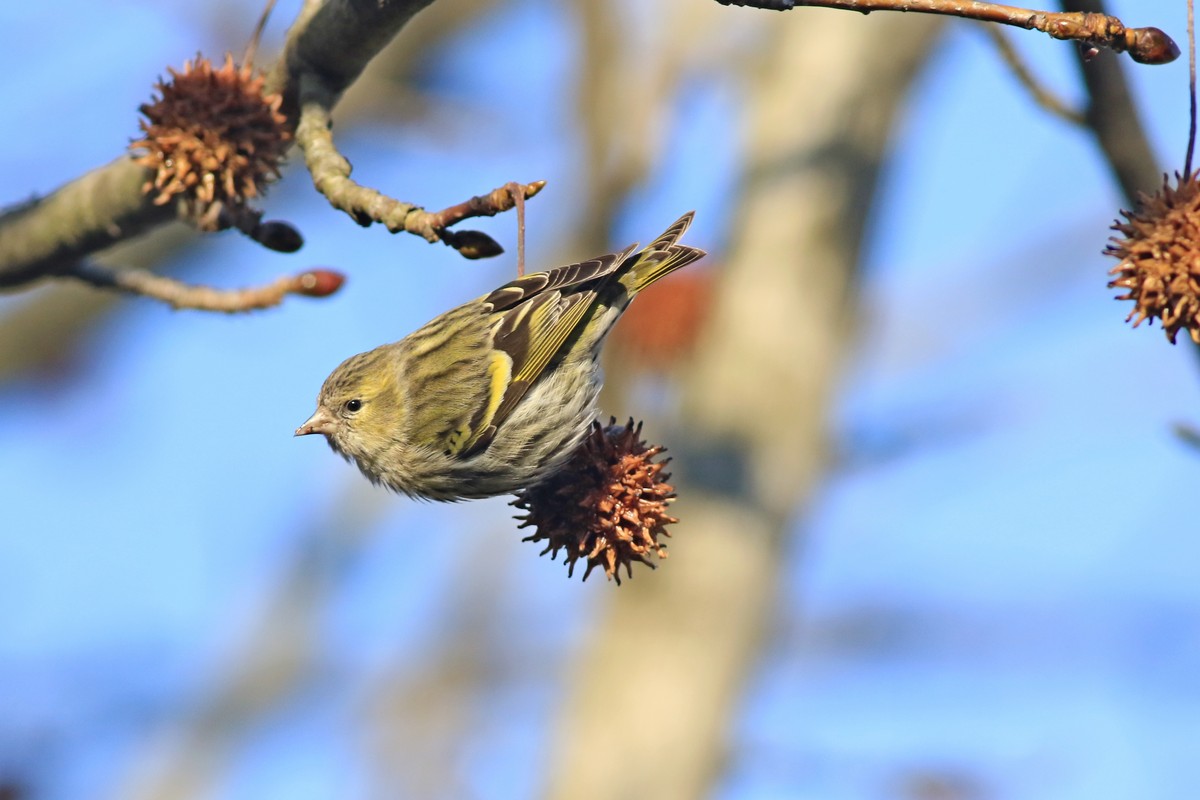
[(493, 396)]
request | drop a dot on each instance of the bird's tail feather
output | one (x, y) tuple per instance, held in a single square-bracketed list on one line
[(663, 256), (672, 234)]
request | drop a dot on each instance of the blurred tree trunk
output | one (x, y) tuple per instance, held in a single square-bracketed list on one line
[(653, 698)]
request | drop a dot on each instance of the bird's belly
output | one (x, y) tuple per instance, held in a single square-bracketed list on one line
[(537, 440)]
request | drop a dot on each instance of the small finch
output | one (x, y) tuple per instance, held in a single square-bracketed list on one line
[(495, 395)]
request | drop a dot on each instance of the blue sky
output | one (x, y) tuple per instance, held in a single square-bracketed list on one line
[(999, 580)]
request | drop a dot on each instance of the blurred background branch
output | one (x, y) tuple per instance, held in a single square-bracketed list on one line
[(811, 151), (278, 654), (1042, 95), (1114, 118)]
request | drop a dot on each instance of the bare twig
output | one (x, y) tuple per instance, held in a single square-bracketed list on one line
[(1191, 34), (1041, 95), (1144, 45), (133, 280), (484, 205), (517, 192), (331, 175), (256, 37)]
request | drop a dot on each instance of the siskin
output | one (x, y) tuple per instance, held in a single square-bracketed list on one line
[(495, 395)]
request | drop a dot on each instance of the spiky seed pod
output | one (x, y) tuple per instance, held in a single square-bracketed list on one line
[(1159, 250), (213, 136), (607, 506)]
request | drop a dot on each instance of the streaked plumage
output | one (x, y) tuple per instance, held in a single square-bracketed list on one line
[(493, 395)]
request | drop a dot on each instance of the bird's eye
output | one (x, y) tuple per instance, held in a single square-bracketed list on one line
[(353, 405)]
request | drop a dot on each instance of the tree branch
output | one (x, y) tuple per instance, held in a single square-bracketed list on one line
[(103, 207), (177, 294), (328, 46), (1041, 95), (1144, 45), (331, 176), (332, 41)]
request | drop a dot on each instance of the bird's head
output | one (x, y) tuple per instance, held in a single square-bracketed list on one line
[(358, 408)]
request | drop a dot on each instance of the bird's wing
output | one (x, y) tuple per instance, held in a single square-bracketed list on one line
[(515, 292), (533, 317)]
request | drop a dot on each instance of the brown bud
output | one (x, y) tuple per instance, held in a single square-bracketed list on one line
[(472, 244), (279, 236), (319, 282), (1151, 46)]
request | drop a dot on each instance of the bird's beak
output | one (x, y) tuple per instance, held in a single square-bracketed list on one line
[(319, 422)]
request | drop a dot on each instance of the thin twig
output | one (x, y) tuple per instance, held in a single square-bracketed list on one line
[(1191, 34), (256, 37), (1041, 95), (484, 205), (517, 192), (134, 280), (331, 175), (1144, 45)]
